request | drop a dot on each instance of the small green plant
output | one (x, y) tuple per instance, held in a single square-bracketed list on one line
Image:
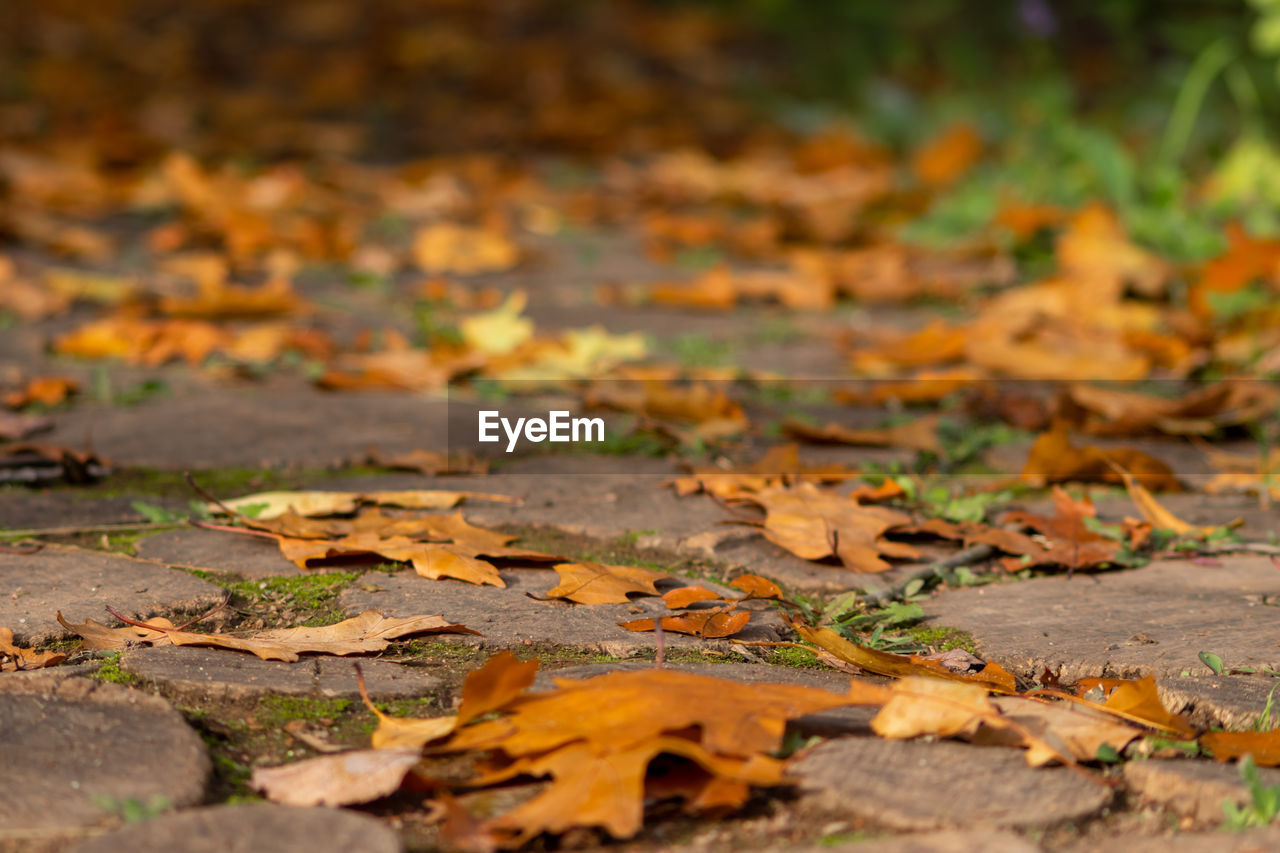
[(110, 671), (1212, 661), (1263, 807), (1265, 720), (133, 810)]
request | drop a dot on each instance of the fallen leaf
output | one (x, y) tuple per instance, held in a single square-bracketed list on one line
[(756, 587), (708, 624), (920, 434), (45, 390), (992, 677), (1054, 459), (1263, 746), (1155, 513), (681, 597), (270, 505), (368, 632), (343, 779), (16, 659), (816, 524), (597, 583), (596, 738)]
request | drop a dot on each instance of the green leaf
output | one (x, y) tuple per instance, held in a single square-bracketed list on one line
[(1107, 754), (1212, 661)]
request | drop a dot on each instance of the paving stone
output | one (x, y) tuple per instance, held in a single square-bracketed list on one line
[(276, 422), (1194, 789), (832, 723), (23, 508), (1123, 624), (1254, 841), (913, 785), (509, 617), (933, 842), (70, 743), (250, 828), (1231, 702), (251, 556), (81, 583), (195, 674)]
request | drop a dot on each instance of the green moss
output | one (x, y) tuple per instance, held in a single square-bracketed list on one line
[(126, 542), (110, 671), (276, 711), (221, 482), (789, 656), (943, 638), (315, 591)]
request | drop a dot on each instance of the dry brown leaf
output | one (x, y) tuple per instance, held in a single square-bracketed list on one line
[(45, 390), (1155, 513), (815, 524), (1054, 459), (598, 583), (343, 779), (756, 587), (1102, 410), (920, 434), (429, 559), (368, 632), (15, 658), (596, 738), (1070, 729), (708, 624), (992, 677), (272, 504), (1263, 746), (681, 597)]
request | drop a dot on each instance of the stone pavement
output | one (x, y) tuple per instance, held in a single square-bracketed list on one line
[(171, 734)]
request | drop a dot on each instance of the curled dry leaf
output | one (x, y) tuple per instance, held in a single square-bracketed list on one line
[(1054, 459), (1263, 746), (992, 677), (596, 738), (816, 524), (272, 504), (779, 466), (598, 583), (1155, 513), (1136, 701), (343, 779), (368, 632), (920, 434), (15, 658), (756, 587), (681, 597), (707, 624)]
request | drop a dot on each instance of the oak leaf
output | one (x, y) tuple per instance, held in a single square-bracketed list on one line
[(344, 779), (598, 583)]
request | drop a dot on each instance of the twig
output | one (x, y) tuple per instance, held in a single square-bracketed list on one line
[(659, 636), (159, 629), (185, 625), (878, 594), (199, 490)]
